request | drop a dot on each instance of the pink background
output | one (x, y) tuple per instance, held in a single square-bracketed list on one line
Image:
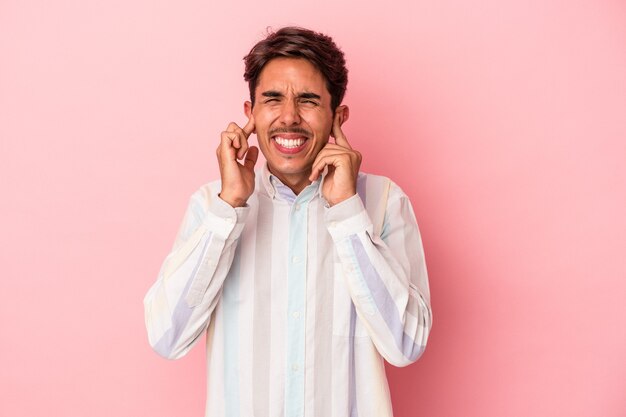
[(503, 120)]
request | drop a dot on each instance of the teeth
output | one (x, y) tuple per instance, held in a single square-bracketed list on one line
[(289, 143)]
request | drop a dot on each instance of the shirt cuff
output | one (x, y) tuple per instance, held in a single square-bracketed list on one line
[(347, 218), (224, 220)]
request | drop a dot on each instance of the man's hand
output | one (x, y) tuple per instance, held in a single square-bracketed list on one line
[(237, 178), (343, 166)]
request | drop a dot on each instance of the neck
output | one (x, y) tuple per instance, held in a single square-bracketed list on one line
[(296, 182)]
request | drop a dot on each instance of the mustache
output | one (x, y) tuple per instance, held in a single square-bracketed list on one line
[(298, 130)]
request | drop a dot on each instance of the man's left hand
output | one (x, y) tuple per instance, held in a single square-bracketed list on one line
[(343, 164)]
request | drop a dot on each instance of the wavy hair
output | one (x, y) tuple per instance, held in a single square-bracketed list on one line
[(295, 42)]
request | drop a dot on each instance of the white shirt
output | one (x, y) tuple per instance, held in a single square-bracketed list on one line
[(301, 301)]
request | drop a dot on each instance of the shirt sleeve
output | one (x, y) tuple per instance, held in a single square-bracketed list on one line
[(179, 304), (385, 275)]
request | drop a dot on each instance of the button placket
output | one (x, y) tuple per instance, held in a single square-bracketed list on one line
[(296, 303)]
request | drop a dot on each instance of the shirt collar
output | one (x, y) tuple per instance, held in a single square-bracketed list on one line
[(276, 189)]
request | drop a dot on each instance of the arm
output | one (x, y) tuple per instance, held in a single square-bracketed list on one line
[(179, 305), (386, 276)]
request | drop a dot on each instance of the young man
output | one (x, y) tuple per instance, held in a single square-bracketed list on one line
[(305, 273)]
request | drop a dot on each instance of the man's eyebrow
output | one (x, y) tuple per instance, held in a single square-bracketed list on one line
[(271, 93), (274, 93), (309, 95)]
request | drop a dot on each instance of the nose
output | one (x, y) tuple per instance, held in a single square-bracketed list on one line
[(289, 114)]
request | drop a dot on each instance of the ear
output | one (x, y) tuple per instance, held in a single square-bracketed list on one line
[(344, 113), (247, 109)]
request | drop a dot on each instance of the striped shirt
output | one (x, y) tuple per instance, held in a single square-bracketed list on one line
[(301, 302)]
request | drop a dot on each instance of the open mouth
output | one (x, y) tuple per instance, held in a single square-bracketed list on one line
[(290, 143)]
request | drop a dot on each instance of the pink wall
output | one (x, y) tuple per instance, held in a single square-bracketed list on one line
[(503, 120)]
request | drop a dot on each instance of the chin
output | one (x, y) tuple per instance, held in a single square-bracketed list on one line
[(290, 169)]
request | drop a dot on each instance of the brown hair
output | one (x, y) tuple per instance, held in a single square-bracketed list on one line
[(295, 42)]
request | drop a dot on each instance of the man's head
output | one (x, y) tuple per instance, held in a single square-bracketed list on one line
[(297, 80), (294, 42)]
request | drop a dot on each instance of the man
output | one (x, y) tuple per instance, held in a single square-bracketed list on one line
[(306, 273)]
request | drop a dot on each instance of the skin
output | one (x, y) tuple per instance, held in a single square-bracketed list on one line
[(291, 102)]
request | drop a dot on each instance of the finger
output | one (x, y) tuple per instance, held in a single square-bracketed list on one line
[(327, 151), (336, 159), (226, 148), (331, 148), (340, 138), (335, 150), (246, 131), (321, 163), (240, 141), (251, 157), (249, 127), (326, 157), (234, 128), (320, 170), (315, 172), (243, 145)]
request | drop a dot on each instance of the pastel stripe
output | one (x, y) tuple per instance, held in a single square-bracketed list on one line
[(182, 312), (322, 388), (361, 188), (230, 299), (262, 323), (352, 378), (384, 302), (296, 305)]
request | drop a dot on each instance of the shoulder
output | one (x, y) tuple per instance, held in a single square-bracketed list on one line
[(372, 186), (206, 198)]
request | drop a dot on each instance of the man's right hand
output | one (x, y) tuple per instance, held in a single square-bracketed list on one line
[(237, 178)]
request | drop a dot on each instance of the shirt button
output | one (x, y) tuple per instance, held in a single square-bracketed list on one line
[(295, 259), (333, 225), (297, 207), (230, 220), (296, 314), (295, 367)]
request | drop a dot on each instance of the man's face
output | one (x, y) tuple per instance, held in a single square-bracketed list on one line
[(293, 117)]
